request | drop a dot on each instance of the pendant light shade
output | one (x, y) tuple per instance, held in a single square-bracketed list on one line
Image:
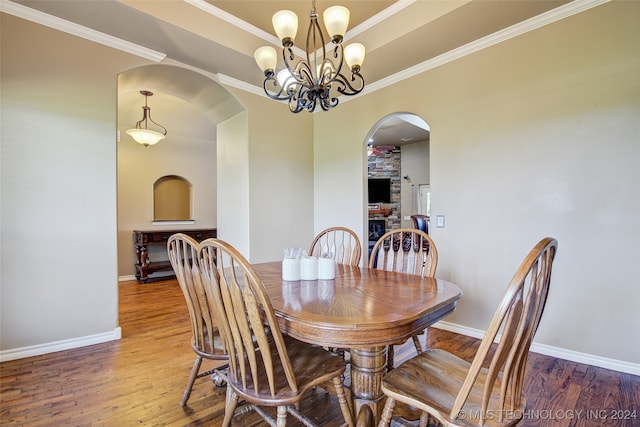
[(285, 23), (145, 137), (336, 21), (354, 55), (266, 58)]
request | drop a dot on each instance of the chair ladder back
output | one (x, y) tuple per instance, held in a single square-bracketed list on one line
[(177, 248), (206, 334), (233, 299), (405, 250), (340, 243), (514, 370), (183, 256), (518, 315), (209, 260), (249, 324)]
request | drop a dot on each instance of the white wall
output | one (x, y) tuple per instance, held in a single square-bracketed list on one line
[(59, 267), (414, 164), (535, 136), (233, 182)]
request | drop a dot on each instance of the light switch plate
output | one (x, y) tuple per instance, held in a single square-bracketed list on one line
[(440, 221)]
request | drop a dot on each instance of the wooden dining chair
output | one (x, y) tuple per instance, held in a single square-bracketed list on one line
[(487, 391), (421, 222), (405, 250), (265, 367), (340, 243), (205, 339)]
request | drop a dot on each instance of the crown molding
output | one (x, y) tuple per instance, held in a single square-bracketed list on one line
[(50, 21), (243, 25), (240, 84), (233, 20), (508, 33), (378, 18)]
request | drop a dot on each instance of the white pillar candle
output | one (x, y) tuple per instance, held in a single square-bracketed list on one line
[(309, 268), (326, 269), (291, 269)]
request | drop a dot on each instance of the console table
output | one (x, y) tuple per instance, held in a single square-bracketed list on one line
[(143, 239)]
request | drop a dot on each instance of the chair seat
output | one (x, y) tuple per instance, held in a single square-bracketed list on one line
[(431, 381), (306, 361), (208, 351)]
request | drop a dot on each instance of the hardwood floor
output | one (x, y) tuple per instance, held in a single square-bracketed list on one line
[(139, 380)]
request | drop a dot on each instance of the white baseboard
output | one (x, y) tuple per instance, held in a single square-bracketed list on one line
[(127, 278), (547, 350), (37, 350)]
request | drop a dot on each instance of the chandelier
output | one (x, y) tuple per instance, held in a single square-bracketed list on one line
[(315, 81), (144, 135)]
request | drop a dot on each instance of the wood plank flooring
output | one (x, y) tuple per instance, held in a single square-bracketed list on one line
[(139, 380)]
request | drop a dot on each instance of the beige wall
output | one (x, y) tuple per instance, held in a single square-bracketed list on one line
[(280, 181), (536, 136), (58, 278)]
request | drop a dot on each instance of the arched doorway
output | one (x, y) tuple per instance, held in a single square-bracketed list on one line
[(190, 105), (397, 150)]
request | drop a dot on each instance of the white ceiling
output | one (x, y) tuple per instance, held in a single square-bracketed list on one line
[(220, 36)]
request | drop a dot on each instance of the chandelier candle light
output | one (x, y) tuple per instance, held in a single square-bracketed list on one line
[(309, 83), (144, 135)]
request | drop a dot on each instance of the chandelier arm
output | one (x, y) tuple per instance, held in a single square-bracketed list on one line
[(297, 101), (313, 33), (338, 69), (328, 70), (291, 56), (304, 75), (346, 88), (280, 95), (328, 102), (301, 72), (307, 100)]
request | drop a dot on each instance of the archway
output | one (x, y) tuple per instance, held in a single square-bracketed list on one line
[(190, 105), (397, 152)]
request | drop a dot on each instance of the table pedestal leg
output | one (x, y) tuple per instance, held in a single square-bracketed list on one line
[(367, 369)]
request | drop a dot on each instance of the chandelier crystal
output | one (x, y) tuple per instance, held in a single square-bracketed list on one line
[(144, 135), (318, 80)]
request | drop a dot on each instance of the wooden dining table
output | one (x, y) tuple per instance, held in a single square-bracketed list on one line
[(363, 310)]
